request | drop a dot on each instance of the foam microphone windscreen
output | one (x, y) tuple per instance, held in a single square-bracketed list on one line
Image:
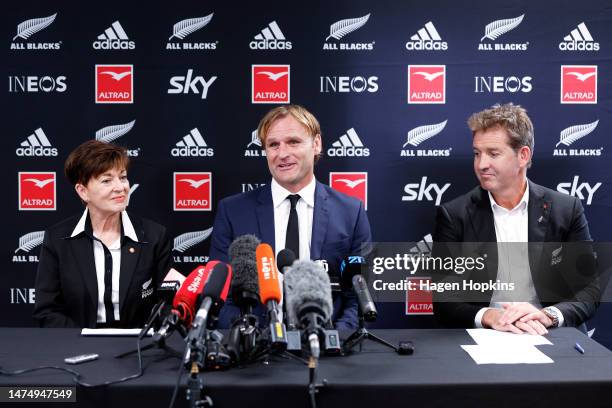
[(269, 286), (307, 283), (244, 264), (284, 259)]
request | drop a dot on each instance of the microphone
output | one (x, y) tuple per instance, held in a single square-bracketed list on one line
[(285, 259), (309, 300), (213, 296), (245, 287), (244, 332), (183, 305), (270, 294), (186, 299), (366, 305), (350, 276), (165, 292)]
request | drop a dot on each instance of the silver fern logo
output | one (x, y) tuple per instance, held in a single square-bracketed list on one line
[(30, 241), (32, 26), (342, 28), (420, 134), (189, 239), (110, 133), (496, 29), (254, 148), (28, 28), (500, 27), (572, 134), (185, 28)]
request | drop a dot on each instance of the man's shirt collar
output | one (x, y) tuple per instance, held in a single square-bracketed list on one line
[(521, 205), (280, 193)]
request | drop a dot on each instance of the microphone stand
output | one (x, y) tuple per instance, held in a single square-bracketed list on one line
[(195, 356), (362, 334), (159, 340), (312, 379), (243, 338), (244, 333)]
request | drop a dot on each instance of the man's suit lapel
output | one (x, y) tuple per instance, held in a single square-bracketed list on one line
[(538, 218), (483, 226), (265, 216), (319, 221), (481, 217)]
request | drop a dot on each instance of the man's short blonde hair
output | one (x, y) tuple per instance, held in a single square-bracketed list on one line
[(298, 112), (512, 118)]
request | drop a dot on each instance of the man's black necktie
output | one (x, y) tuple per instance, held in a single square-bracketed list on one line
[(292, 239)]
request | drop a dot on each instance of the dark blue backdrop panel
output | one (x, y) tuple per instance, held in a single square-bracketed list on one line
[(360, 87)]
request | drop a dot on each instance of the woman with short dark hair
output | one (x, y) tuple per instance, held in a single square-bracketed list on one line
[(100, 268)]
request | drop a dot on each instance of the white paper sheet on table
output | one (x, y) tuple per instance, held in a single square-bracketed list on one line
[(494, 337), (113, 332), (501, 354)]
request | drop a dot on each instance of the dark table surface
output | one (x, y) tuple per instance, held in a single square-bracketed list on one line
[(439, 373)]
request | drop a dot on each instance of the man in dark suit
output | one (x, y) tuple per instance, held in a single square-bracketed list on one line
[(508, 208), (294, 211)]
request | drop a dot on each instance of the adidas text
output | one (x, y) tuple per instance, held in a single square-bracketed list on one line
[(38, 151), (270, 45), (348, 152), (426, 46), (192, 151), (114, 45)]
